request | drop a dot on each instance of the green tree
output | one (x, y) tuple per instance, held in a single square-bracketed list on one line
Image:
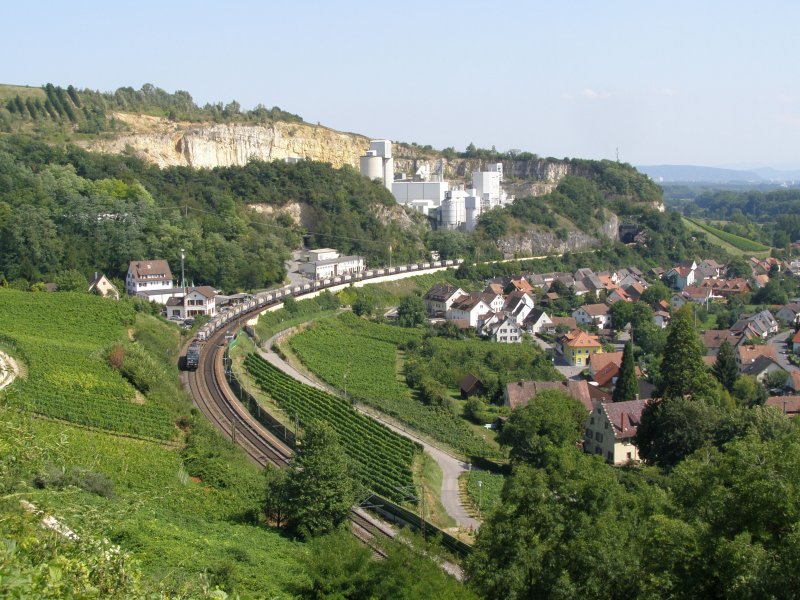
[(338, 567), (364, 305), (656, 292), (627, 386), (671, 429), (683, 372), (411, 311), (748, 391), (320, 490), (276, 496), (72, 281), (725, 369), (775, 379), (551, 419)]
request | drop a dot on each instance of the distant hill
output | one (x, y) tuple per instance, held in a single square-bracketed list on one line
[(692, 173)]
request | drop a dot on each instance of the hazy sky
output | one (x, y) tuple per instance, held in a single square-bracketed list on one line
[(694, 82)]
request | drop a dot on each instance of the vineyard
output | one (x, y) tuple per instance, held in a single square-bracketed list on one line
[(61, 338), (484, 489), (382, 458), (738, 242), (361, 356)]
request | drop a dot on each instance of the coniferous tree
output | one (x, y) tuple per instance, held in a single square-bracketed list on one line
[(725, 369), (73, 95), (19, 104), (627, 387), (682, 370), (31, 108), (48, 106)]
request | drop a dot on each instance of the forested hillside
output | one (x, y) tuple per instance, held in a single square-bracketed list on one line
[(62, 208)]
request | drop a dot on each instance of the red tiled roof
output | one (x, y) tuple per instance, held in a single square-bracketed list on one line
[(520, 393), (578, 338), (790, 405), (625, 417)]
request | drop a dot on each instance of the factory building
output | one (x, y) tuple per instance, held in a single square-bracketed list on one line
[(378, 163)]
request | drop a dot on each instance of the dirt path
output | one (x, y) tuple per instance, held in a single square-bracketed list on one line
[(8, 370), (451, 467)]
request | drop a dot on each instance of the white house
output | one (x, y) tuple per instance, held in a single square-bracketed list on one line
[(597, 314), (538, 321), (148, 276), (100, 284), (682, 275), (611, 429), (468, 308), (506, 331), (440, 298), (518, 305), (496, 302), (198, 301)]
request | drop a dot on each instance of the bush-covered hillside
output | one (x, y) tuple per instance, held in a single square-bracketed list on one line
[(63, 208)]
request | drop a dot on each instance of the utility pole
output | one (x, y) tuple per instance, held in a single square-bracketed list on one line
[(183, 271)]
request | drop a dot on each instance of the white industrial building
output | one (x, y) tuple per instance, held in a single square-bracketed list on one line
[(326, 262), (454, 206), (378, 163)]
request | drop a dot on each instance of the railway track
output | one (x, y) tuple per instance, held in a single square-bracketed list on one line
[(216, 401)]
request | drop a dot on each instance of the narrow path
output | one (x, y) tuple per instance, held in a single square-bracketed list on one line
[(451, 467), (8, 370)]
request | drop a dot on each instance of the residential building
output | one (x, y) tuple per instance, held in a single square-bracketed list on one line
[(789, 315), (681, 276), (724, 288), (578, 346), (593, 314), (468, 308), (563, 322), (788, 405), (520, 284), (506, 331), (518, 305), (796, 342), (520, 393), (198, 301), (661, 318), (495, 302), (148, 276), (101, 285), (760, 325), (537, 321), (746, 354), (714, 338), (440, 298), (763, 366), (611, 430)]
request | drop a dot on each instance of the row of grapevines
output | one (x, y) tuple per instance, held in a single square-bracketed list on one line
[(382, 458), (362, 357)]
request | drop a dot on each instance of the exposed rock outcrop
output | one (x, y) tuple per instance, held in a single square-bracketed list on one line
[(538, 242), (167, 143)]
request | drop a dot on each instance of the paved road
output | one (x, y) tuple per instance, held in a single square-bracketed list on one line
[(779, 341), (451, 467)]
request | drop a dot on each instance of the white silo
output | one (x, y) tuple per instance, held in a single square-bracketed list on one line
[(371, 165), (452, 213)]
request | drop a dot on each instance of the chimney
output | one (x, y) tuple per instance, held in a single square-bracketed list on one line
[(622, 422)]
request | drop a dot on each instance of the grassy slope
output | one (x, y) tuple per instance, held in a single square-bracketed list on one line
[(23, 91), (717, 241), (186, 531)]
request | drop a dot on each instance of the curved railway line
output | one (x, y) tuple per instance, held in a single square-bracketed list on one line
[(216, 401)]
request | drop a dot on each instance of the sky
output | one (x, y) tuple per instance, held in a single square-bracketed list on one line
[(662, 82)]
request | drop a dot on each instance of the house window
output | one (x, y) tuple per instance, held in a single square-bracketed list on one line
[(591, 421), (598, 436), (629, 456), (606, 424), (610, 456)]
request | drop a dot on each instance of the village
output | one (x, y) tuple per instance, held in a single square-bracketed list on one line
[(584, 319)]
